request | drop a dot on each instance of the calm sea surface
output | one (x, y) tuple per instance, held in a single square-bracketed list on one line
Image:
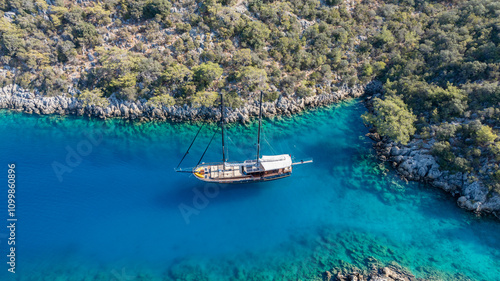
[(99, 200)]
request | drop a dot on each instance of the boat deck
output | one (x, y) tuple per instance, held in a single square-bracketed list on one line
[(234, 173), (218, 172)]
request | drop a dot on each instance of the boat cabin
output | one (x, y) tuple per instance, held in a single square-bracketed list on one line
[(269, 168)]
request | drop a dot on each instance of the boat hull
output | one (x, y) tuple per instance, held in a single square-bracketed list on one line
[(247, 180), (235, 174)]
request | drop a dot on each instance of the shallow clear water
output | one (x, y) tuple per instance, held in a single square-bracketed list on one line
[(118, 211)]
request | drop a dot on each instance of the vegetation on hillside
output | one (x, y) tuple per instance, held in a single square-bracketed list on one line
[(148, 48)]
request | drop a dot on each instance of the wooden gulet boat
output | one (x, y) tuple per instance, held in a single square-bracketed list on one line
[(265, 168)]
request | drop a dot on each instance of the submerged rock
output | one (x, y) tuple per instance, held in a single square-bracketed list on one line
[(388, 273), (415, 162)]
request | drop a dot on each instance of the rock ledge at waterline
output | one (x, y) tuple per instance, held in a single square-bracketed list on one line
[(415, 162), (19, 99)]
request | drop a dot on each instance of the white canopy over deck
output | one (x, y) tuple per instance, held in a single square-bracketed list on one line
[(275, 162)]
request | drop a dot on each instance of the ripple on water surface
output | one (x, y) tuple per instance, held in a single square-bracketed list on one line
[(115, 212)]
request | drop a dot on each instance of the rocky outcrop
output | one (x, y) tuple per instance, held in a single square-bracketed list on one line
[(415, 162), (388, 273), (16, 98)]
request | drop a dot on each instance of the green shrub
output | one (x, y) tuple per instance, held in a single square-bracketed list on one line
[(425, 133), (156, 8), (462, 165), (204, 98), (303, 92), (66, 51), (252, 78), (86, 34), (161, 100), (94, 97), (206, 73), (271, 96), (379, 66), (494, 185), (367, 69), (242, 57), (445, 131), (176, 75), (476, 152), (392, 118), (485, 135), (442, 151), (232, 100), (98, 15), (496, 175), (255, 34), (495, 150), (182, 28)]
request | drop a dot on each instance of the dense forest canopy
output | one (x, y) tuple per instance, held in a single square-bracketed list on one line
[(439, 61)]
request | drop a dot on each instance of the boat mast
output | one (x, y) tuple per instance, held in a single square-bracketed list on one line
[(222, 127), (260, 124)]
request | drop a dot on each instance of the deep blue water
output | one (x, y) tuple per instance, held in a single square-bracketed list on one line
[(119, 210)]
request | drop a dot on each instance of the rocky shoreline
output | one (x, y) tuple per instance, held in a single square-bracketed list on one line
[(415, 162), (31, 102), (388, 273)]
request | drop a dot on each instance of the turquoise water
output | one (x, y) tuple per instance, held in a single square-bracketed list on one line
[(99, 200)]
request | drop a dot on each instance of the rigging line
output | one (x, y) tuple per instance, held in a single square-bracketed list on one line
[(300, 150), (233, 147), (264, 136), (185, 154), (227, 154), (270, 146), (260, 125), (231, 140), (274, 127), (207, 148)]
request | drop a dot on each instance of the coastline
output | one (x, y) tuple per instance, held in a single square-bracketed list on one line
[(111, 93), (415, 162), (354, 251), (16, 98)]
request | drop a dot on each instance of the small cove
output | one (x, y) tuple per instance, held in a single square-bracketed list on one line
[(117, 213)]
